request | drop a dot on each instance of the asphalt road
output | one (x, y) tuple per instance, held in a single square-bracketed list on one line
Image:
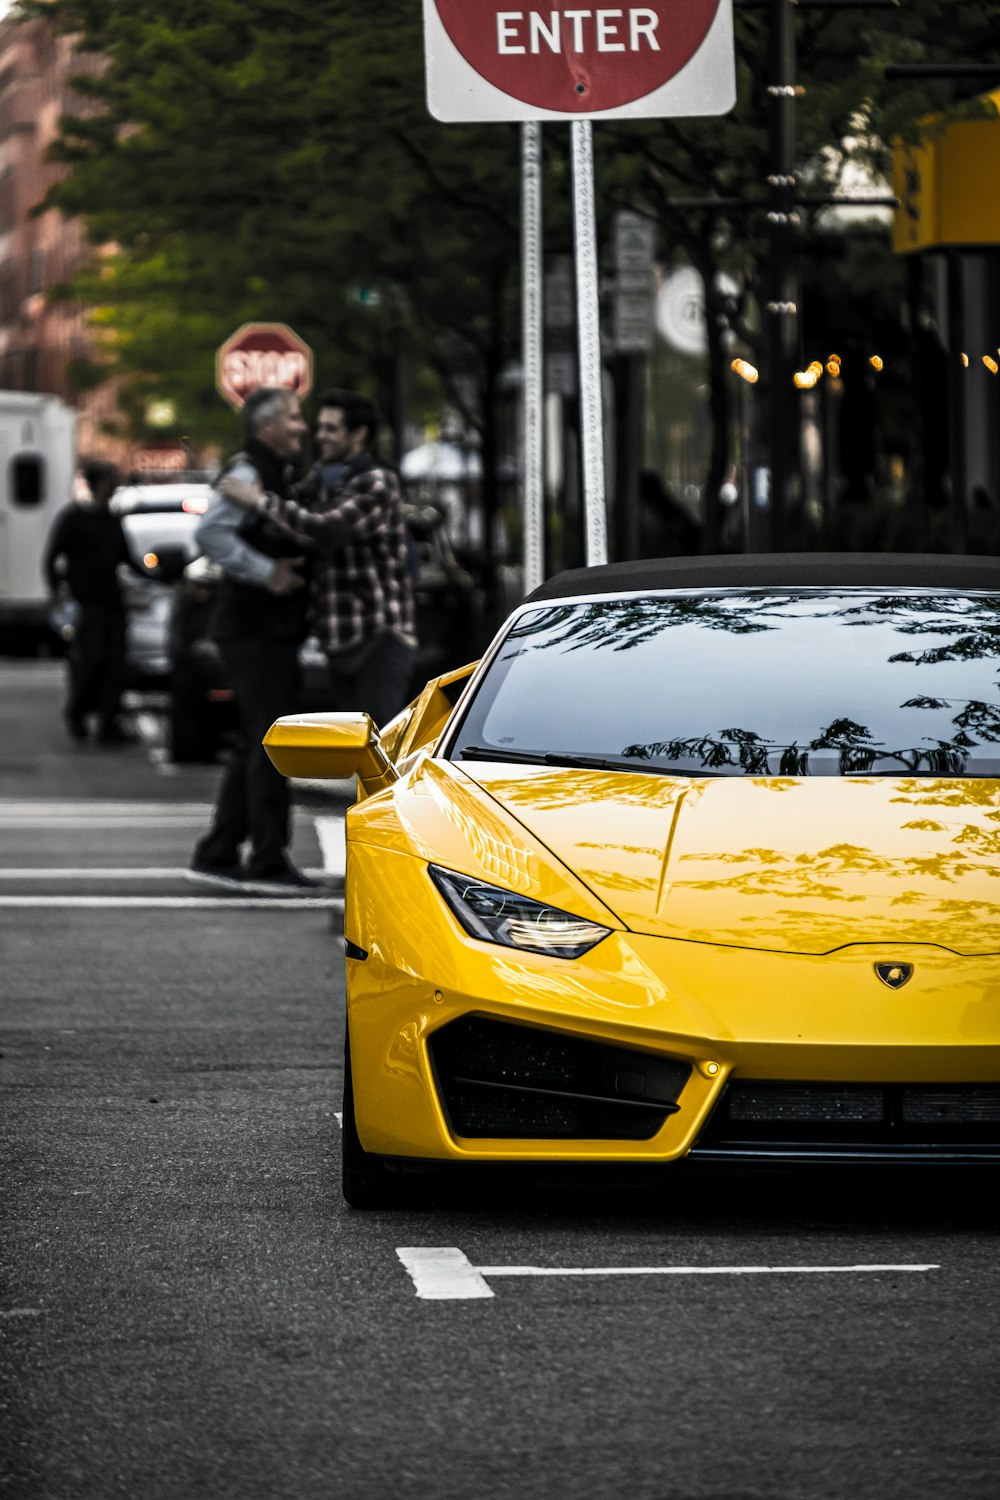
[(188, 1309)]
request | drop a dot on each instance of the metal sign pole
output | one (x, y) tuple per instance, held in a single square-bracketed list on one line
[(531, 353), (589, 340)]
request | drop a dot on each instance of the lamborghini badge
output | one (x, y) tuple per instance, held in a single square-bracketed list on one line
[(894, 975)]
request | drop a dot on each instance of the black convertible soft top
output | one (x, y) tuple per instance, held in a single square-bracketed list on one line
[(778, 570)]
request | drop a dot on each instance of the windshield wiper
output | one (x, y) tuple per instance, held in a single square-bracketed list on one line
[(577, 762), (481, 752)]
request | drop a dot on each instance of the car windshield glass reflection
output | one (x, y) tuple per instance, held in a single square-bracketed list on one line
[(755, 683)]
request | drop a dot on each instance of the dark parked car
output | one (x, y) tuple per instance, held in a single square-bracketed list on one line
[(159, 522)]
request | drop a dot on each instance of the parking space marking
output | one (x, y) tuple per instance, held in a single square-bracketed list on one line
[(442, 1273)]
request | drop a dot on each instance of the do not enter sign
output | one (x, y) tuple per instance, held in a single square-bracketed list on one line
[(532, 59), (262, 354)]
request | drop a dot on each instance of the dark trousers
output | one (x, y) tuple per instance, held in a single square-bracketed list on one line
[(96, 663), (253, 801), (378, 684)]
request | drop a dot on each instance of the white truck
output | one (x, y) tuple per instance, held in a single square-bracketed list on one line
[(37, 469)]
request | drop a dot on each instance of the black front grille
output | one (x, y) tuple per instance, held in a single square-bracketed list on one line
[(500, 1079), (788, 1119)]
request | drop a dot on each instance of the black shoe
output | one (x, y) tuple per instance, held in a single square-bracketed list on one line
[(76, 724), (288, 882), (206, 874)]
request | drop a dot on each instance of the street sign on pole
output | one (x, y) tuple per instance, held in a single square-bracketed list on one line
[(649, 60), (633, 247), (262, 354), (487, 60)]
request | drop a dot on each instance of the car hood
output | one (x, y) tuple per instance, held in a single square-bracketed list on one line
[(796, 866)]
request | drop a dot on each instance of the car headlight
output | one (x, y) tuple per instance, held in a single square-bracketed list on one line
[(497, 916)]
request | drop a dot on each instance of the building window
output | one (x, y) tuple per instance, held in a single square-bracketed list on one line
[(8, 201), (27, 479), (9, 301), (36, 272)]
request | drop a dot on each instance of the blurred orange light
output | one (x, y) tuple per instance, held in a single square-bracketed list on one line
[(990, 364), (965, 360), (833, 367), (745, 370), (805, 379), (150, 560), (876, 362)]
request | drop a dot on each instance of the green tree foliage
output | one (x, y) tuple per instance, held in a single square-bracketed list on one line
[(260, 162), (241, 161)]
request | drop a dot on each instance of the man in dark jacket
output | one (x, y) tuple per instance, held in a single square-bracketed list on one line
[(259, 621), (82, 556), (363, 610)]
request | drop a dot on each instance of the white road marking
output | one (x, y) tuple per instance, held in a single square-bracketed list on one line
[(444, 1273), (55, 814), (338, 1116), (26, 811), (112, 872), (330, 832), (236, 902), (20, 1312)]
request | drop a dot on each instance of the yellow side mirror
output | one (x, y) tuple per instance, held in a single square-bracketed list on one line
[(330, 746)]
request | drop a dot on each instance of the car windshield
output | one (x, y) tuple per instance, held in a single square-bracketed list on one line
[(748, 683)]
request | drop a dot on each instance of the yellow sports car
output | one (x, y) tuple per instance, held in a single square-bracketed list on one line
[(702, 859)]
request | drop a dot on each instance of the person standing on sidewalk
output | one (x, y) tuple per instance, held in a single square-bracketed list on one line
[(258, 623), (364, 609), (82, 556)]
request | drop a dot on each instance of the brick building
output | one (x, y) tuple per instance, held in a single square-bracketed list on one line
[(40, 339)]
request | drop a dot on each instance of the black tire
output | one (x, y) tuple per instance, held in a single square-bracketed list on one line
[(367, 1180)]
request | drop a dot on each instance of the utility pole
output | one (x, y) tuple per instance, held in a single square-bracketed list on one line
[(781, 305), (781, 310)]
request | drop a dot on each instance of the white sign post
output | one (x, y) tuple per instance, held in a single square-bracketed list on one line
[(488, 60), (531, 355)]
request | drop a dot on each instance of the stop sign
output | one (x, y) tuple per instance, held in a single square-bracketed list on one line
[(532, 59), (262, 354)]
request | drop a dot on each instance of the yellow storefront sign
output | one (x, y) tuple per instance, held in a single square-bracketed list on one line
[(945, 188)]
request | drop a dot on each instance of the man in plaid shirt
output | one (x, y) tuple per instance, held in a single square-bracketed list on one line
[(363, 607)]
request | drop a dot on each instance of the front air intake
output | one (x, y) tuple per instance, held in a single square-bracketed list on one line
[(852, 1121), (498, 1079)]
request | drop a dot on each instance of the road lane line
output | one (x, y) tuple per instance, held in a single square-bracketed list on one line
[(330, 832), (444, 1273), (694, 1270), (181, 903), (111, 872), (26, 809)]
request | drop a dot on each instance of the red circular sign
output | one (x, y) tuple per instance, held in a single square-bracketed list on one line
[(573, 58), (263, 354)]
